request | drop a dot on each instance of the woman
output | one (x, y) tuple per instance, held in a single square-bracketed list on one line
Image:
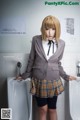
[(44, 67)]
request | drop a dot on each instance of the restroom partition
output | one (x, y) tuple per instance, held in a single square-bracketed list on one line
[(74, 99), (19, 99)]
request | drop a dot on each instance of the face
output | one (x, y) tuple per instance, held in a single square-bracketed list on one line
[(50, 33)]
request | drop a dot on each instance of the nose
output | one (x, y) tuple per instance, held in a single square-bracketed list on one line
[(50, 32)]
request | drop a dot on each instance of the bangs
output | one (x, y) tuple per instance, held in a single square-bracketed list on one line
[(49, 23)]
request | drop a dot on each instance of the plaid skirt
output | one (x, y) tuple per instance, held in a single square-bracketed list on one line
[(46, 88)]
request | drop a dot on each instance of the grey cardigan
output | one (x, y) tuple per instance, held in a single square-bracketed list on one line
[(41, 68)]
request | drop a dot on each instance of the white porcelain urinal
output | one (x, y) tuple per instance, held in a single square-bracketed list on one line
[(19, 99), (74, 97)]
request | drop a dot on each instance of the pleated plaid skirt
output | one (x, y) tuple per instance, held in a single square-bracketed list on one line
[(46, 88)]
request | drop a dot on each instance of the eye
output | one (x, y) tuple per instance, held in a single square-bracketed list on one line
[(47, 28), (53, 28)]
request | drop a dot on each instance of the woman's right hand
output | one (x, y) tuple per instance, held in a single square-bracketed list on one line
[(19, 78)]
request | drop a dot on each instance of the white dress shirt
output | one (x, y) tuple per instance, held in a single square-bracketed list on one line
[(46, 47)]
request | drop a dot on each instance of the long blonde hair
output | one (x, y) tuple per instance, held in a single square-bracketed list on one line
[(51, 22)]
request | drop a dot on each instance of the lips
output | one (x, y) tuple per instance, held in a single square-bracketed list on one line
[(50, 37)]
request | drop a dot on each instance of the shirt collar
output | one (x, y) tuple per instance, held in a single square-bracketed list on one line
[(46, 41)]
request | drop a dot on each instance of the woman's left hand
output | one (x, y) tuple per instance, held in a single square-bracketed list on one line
[(72, 78)]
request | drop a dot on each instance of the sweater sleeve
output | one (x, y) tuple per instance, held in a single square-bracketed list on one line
[(61, 70), (28, 72)]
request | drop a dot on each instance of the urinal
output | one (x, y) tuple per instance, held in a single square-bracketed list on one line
[(19, 99), (74, 99)]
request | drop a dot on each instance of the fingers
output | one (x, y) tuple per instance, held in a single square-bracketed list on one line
[(72, 78), (19, 78)]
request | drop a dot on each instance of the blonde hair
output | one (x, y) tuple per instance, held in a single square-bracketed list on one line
[(50, 22)]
